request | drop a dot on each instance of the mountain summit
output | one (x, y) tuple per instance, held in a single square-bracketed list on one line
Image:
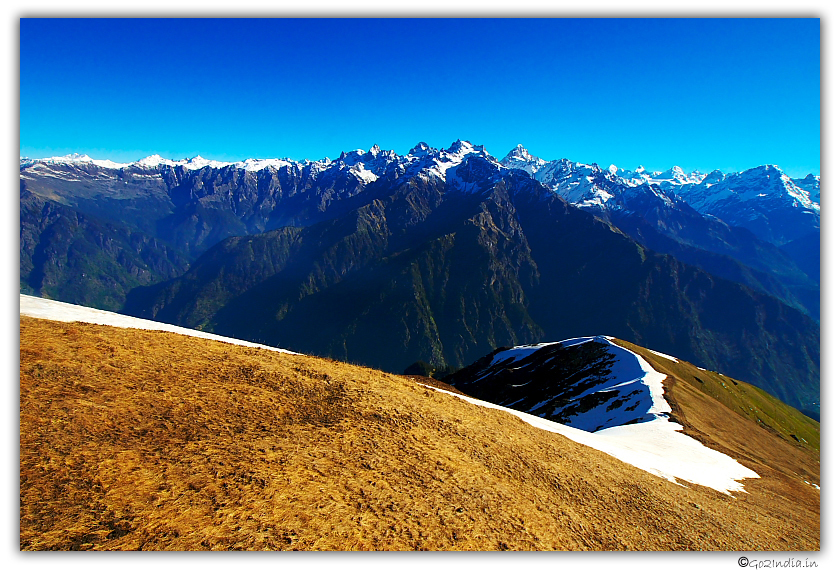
[(520, 158)]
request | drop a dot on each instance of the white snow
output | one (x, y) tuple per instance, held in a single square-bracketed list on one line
[(520, 158), (518, 353), (256, 164), (66, 312), (665, 356), (76, 158), (444, 160), (573, 180), (762, 188), (656, 445), (363, 174), (154, 161), (109, 164), (198, 162), (638, 394)]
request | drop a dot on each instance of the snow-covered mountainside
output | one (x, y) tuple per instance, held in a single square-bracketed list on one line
[(591, 187), (766, 182), (811, 184), (602, 395), (588, 383), (763, 199), (759, 199)]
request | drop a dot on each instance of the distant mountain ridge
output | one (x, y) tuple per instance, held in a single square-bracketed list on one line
[(760, 199), (699, 218), (447, 254), (757, 198), (67, 254)]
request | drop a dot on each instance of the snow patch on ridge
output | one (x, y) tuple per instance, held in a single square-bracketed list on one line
[(628, 394), (256, 164), (65, 312), (75, 159), (665, 356), (654, 444)]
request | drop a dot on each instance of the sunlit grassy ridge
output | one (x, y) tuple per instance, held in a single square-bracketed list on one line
[(147, 440)]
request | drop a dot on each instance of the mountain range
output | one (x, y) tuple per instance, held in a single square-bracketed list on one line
[(441, 255)]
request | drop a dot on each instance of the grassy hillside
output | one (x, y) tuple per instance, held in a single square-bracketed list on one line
[(148, 440)]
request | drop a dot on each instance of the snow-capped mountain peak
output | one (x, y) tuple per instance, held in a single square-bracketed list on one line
[(462, 148), (438, 163), (519, 152), (154, 161), (713, 177), (75, 159), (521, 159), (257, 164), (198, 162), (420, 149), (673, 173), (150, 161), (762, 199), (584, 185), (810, 184)]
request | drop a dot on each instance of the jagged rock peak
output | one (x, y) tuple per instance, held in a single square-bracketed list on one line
[(519, 152), (460, 146), (420, 148), (713, 177)]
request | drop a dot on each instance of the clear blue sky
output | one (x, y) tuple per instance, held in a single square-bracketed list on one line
[(703, 94)]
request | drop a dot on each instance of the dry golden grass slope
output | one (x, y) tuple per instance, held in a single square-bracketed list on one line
[(135, 439)]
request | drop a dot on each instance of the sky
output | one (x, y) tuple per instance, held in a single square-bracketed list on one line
[(699, 93)]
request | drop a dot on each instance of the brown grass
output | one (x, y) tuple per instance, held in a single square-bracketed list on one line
[(148, 440)]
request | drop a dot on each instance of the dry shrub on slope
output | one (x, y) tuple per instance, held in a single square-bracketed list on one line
[(148, 440)]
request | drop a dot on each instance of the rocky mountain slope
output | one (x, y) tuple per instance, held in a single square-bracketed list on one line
[(674, 213), (265, 450), (431, 272), (763, 199), (76, 257), (446, 254)]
